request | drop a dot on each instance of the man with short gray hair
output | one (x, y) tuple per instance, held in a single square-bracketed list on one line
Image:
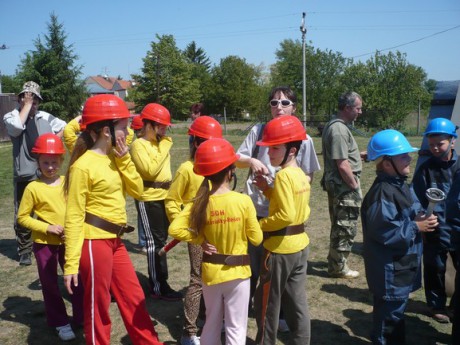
[(342, 169)]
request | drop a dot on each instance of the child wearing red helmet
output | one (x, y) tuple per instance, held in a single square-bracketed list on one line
[(100, 174), (152, 158), (225, 221), (44, 199), (182, 192), (283, 276)]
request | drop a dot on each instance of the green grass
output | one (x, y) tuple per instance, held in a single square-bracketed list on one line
[(341, 310)]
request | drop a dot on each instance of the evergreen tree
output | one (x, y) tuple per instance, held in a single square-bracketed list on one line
[(166, 79), (52, 66)]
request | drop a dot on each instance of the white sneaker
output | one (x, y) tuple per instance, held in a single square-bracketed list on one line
[(192, 340), (282, 326), (65, 333)]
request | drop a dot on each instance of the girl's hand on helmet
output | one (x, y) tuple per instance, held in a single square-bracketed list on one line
[(121, 149)]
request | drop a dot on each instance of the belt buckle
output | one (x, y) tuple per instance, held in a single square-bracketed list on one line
[(121, 231)]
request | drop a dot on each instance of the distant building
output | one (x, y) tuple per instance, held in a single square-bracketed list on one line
[(97, 85)]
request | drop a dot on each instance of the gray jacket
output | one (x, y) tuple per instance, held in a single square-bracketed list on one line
[(24, 164)]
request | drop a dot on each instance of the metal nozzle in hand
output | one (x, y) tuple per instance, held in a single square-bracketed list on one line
[(434, 195)]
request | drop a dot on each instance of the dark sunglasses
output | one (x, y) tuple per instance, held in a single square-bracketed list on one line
[(284, 102)]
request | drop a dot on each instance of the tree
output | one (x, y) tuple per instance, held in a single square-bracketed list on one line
[(52, 66), (11, 84), (323, 69), (197, 56), (166, 78), (390, 86), (201, 67), (234, 86)]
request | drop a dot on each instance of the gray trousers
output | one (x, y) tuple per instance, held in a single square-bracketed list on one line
[(283, 280)]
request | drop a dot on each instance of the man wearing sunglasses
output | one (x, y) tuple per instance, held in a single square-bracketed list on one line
[(342, 169), (24, 125), (282, 101)]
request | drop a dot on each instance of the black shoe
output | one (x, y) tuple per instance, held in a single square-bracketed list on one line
[(25, 259), (168, 294)]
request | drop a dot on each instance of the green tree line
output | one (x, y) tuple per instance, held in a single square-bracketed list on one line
[(391, 87)]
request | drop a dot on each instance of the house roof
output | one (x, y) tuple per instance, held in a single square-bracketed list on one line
[(97, 89), (109, 83)]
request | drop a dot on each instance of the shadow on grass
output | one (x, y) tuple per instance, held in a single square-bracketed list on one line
[(168, 313), (417, 331), (8, 248), (326, 333), (353, 294), (317, 268), (30, 313)]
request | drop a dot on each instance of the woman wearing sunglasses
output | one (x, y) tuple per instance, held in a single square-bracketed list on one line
[(282, 101)]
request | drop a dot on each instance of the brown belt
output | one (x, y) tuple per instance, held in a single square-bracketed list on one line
[(103, 224), (289, 230), (154, 184), (229, 260)]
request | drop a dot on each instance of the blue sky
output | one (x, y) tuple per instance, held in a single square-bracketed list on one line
[(113, 36)]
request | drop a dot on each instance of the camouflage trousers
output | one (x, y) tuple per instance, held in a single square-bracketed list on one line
[(344, 207)]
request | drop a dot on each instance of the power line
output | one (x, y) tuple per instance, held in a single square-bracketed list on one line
[(410, 42)]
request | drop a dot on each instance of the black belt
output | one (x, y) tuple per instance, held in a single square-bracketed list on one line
[(229, 260), (154, 184), (288, 230), (103, 224)]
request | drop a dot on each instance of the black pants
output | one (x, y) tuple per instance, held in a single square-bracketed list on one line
[(23, 235), (155, 222)]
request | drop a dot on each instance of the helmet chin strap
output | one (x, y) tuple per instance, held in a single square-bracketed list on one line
[(449, 150), (286, 155), (234, 179), (112, 134), (396, 169)]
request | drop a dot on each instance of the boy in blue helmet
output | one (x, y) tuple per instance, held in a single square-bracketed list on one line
[(437, 172), (392, 222)]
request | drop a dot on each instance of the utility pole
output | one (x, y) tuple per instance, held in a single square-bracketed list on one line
[(303, 30)]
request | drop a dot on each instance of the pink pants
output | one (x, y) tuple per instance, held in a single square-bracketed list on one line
[(105, 267), (49, 257), (227, 301)]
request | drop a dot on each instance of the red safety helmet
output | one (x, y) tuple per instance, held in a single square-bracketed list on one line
[(137, 123), (50, 144), (213, 156), (156, 112), (281, 130), (103, 107), (205, 127)]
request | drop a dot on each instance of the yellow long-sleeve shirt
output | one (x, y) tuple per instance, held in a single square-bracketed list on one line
[(98, 184), (72, 130), (231, 222), (183, 189), (70, 134), (289, 200), (48, 204), (153, 162)]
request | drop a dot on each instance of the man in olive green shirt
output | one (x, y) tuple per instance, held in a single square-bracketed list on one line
[(342, 168)]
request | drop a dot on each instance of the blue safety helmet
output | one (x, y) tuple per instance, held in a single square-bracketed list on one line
[(441, 125), (388, 142)]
